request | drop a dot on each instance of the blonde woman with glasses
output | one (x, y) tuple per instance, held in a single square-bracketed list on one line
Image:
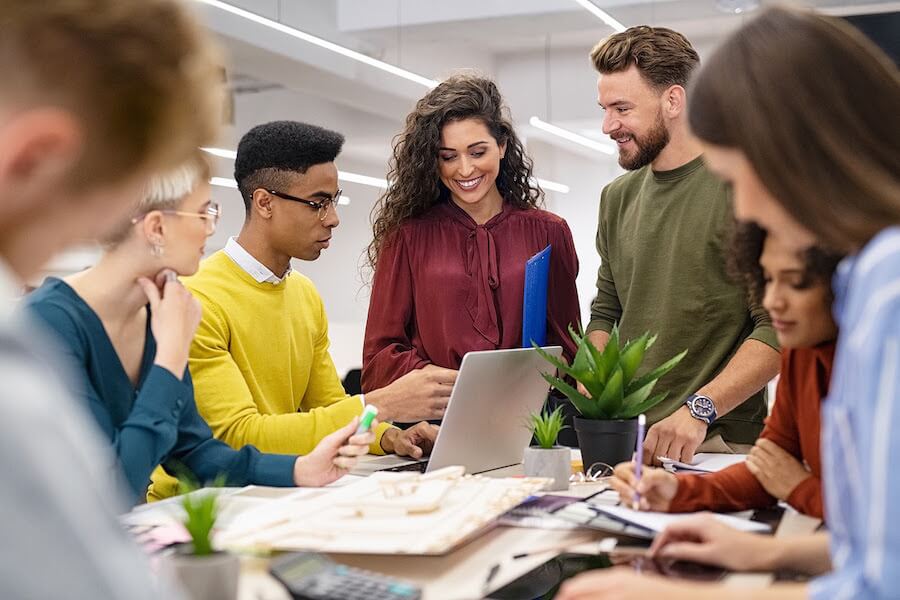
[(127, 325)]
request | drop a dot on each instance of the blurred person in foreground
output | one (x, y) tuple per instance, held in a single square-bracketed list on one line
[(95, 96)]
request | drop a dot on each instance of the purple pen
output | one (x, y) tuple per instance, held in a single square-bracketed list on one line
[(638, 459)]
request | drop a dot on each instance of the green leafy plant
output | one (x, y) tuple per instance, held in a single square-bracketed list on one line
[(545, 426), (201, 510), (615, 392)]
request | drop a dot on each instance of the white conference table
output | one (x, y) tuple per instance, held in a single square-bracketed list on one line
[(460, 575)]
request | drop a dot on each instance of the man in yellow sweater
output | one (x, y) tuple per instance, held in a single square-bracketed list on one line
[(260, 362)]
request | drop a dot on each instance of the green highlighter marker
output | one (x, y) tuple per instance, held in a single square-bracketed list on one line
[(365, 421)]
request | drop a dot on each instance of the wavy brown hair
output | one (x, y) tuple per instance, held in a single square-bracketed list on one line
[(747, 242), (415, 186)]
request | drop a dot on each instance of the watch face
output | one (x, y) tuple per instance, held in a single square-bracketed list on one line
[(703, 406)]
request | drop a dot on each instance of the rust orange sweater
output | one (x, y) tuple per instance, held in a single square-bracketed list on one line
[(793, 425)]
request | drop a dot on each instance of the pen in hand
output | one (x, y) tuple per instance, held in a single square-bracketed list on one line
[(638, 460)]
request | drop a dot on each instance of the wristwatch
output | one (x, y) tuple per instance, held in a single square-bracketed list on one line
[(702, 408)]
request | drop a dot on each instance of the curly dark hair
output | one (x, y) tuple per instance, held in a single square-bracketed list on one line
[(414, 183), (269, 153), (747, 241)]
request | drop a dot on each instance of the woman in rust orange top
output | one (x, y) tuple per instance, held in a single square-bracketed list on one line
[(785, 463), (452, 235)]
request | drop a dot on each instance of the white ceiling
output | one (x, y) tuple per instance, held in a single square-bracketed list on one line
[(536, 49)]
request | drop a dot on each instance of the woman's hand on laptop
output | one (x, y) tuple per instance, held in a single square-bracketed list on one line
[(420, 394), (334, 456), (415, 442)]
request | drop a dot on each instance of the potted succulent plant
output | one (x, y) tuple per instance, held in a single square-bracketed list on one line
[(204, 573), (616, 395), (547, 459)]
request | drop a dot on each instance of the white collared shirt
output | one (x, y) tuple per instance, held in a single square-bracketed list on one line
[(253, 267)]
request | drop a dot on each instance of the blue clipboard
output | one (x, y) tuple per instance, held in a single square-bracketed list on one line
[(534, 304)]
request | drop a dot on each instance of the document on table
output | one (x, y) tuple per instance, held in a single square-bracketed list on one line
[(656, 521), (704, 462)]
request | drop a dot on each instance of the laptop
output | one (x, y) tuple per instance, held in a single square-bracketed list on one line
[(485, 425)]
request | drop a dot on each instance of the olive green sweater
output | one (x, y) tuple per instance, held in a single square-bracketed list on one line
[(662, 238)]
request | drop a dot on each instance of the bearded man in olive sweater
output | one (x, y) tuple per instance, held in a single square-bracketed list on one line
[(662, 237)]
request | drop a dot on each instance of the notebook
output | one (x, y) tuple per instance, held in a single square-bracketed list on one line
[(534, 305), (704, 462)]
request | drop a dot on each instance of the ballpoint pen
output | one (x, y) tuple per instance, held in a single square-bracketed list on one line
[(638, 460)]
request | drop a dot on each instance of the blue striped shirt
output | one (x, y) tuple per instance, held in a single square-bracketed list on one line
[(861, 428)]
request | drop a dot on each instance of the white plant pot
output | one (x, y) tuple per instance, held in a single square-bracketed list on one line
[(211, 577), (555, 463)]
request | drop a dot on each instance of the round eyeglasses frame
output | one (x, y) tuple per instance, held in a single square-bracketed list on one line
[(211, 215)]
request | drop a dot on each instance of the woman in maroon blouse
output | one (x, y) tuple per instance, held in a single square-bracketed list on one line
[(452, 235)]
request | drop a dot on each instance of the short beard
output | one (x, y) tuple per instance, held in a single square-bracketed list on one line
[(648, 147)]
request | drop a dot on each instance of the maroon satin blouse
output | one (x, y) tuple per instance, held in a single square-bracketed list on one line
[(444, 286)]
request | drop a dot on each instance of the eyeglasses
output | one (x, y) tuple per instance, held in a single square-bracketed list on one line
[(598, 472), (323, 206), (211, 215)]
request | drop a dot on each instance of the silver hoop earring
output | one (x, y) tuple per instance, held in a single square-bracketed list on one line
[(156, 250)]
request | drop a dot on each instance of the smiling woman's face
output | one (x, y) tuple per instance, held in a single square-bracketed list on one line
[(752, 200), (469, 161)]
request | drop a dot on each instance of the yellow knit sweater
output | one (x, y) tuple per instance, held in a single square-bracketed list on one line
[(260, 364)]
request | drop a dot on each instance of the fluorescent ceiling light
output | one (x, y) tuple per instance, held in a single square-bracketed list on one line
[(221, 152), (231, 183), (223, 182), (552, 185), (571, 136), (306, 37), (342, 175), (378, 182), (601, 14)]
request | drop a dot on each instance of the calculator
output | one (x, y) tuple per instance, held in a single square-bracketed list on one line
[(312, 576)]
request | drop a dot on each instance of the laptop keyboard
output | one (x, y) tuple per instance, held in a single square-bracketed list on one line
[(416, 467)]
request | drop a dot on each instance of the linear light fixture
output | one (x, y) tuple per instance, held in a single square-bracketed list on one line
[(221, 152), (223, 182), (571, 136), (378, 182), (321, 43), (552, 185), (231, 183), (601, 14)]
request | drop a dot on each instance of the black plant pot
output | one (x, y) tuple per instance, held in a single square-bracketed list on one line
[(609, 442)]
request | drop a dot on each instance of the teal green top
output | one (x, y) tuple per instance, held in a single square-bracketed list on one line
[(662, 238), (155, 422)]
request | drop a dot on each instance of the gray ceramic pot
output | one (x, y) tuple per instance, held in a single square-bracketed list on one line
[(554, 463), (211, 577)]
